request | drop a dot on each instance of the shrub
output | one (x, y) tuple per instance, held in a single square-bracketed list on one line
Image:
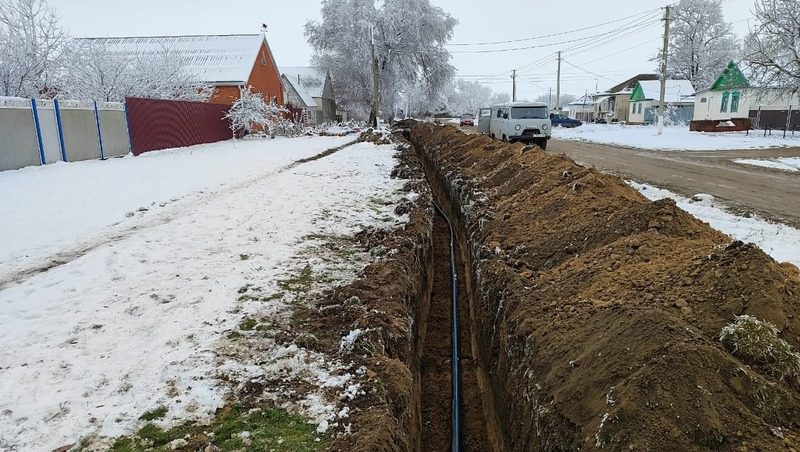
[(757, 342)]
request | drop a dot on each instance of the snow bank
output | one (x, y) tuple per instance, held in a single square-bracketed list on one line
[(677, 138), (779, 241), (791, 164), (136, 322), (68, 206)]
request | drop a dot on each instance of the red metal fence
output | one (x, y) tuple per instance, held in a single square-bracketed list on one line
[(162, 124)]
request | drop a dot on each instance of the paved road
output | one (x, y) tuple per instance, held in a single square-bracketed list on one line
[(771, 193)]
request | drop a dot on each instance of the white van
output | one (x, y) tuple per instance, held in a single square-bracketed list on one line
[(526, 122)]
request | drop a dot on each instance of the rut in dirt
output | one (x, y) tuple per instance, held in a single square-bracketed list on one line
[(435, 366)]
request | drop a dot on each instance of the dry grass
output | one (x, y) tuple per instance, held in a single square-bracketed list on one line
[(757, 342)]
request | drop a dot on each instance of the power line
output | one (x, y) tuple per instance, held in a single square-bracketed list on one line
[(531, 38), (553, 44)]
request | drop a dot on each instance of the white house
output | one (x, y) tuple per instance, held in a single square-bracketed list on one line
[(645, 100), (311, 90), (732, 104), (582, 108)]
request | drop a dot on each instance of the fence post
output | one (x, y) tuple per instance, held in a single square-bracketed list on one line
[(788, 120), (38, 126), (60, 126), (99, 132), (128, 126)]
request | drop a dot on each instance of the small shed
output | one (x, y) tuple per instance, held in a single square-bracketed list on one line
[(646, 99), (311, 90)]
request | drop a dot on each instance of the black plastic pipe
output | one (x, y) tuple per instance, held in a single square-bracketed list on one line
[(456, 359)]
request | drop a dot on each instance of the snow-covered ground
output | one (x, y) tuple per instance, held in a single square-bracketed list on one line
[(780, 241), (135, 320), (67, 207), (677, 138), (791, 164)]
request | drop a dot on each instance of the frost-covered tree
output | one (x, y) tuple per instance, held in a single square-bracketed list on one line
[(701, 43), (499, 98), (551, 99), (31, 47), (409, 38), (250, 113), (772, 48), (94, 71), (468, 97)]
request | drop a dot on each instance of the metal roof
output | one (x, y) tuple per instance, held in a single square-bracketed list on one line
[(217, 59), (309, 82)]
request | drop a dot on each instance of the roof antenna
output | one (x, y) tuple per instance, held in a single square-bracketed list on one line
[(264, 28)]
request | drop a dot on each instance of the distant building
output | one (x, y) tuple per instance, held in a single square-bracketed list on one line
[(732, 104), (228, 62), (646, 99), (310, 89), (582, 108), (613, 105)]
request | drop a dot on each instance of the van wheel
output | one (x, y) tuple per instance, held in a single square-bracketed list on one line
[(504, 138), (543, 144), (492, 136)]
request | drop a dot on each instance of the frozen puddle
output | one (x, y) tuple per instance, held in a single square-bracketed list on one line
[(89, 346)]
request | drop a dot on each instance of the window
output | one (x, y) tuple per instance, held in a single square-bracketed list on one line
[(263, 59), (703, 100), (486, 113), (724, 106), (633, 109), (640, 108), (529, 113), (499, 112), (735, 102)]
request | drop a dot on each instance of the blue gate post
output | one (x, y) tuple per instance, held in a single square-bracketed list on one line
[(38, 126), (60, 130), (99, 132)]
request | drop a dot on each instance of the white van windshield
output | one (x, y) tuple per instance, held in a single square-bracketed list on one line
[(529, 113)]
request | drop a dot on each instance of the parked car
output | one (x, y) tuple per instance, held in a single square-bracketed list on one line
[(467, 120), (560, 120), (525, 122)]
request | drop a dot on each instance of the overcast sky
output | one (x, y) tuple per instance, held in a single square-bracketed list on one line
[(591, 62)]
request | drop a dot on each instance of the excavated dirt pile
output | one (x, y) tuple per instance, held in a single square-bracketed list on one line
[(598, 314)]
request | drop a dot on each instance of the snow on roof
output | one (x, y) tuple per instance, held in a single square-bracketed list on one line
[(210, 58), (583, 100), (677, 90), (309, 82)]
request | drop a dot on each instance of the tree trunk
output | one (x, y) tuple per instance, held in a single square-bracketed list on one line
[(376, 90)]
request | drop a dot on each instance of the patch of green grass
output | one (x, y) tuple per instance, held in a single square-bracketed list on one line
[(303, 281), (154, 414), (248, 324), (268, 429)]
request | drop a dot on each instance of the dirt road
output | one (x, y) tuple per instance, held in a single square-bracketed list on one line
[(771, 193)]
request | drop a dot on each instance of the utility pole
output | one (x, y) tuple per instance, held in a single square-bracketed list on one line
[(664, 52), (558, 84), (550, 100), (376, 88), (514, 85)]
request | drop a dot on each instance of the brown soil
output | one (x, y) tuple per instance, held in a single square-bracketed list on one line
[(436, 345), (598, 313)]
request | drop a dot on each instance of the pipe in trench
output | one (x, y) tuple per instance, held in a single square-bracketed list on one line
[(456, 338)]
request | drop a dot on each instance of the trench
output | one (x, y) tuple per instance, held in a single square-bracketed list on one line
[(479, 426)]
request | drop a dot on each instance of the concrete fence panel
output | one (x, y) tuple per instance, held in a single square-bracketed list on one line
[(79, 130), (115, 131), (49, 129), (19, 145), (162, 124)]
